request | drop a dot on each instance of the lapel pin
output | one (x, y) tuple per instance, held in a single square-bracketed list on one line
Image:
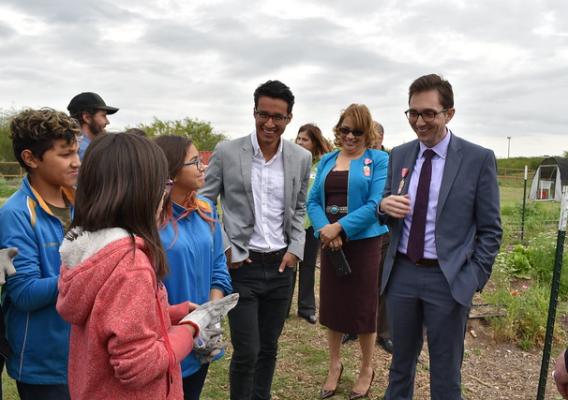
[(403, 175)]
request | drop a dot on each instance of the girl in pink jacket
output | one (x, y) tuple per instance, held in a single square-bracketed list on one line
[(125, 342)]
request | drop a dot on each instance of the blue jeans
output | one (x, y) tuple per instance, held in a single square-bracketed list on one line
[(256, 324)]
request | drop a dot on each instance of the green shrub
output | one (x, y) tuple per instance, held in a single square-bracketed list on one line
[(539, 217), (6, 151), (536, 261), (526, 315), (517, 164), (541, 255), (518, 262), (526, 304)]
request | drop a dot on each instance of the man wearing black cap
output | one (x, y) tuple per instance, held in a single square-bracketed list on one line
[(90, 110)]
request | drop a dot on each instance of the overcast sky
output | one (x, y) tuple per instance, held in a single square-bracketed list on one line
[(507, 61)]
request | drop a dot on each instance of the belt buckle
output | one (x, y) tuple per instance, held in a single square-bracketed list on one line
[(334, 210)]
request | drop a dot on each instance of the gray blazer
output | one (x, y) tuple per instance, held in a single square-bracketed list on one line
[(229, 175), (468, 222)]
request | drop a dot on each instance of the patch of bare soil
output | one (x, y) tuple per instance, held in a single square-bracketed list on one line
[(490, 370)]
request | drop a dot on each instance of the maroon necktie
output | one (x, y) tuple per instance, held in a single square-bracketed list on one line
[(415, 248)]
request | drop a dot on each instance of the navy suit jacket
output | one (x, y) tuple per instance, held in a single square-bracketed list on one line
[(468, 223)]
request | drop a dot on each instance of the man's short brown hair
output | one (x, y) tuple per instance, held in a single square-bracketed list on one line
[(433, 82)]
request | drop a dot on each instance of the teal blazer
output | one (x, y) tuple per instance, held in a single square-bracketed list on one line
[(364, 193)]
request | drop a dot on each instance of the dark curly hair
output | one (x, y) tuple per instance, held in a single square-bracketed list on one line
[(37, 130)]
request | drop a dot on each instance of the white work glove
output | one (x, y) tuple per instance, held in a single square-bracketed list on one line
[(209, 343), (6, 266), (212, 311)]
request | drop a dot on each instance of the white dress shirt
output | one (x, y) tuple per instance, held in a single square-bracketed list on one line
[(267, 181)]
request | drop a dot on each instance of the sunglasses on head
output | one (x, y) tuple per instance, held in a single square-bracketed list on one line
[(346, 131)]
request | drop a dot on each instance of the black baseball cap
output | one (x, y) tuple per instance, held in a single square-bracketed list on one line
[(89, 101)]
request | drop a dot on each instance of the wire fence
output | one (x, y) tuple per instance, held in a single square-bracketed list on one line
[(11, 170), (523, 218)]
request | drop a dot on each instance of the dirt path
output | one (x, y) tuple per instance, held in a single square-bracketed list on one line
[(490, 370)]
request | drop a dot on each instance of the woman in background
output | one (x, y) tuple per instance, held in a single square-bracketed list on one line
[(311, 139), (192, 239), (342, 207)]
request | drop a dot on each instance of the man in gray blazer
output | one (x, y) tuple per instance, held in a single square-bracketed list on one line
[(441, 203), (262, 180)]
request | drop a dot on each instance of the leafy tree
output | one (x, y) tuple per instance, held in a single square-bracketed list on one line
[(6, 152), (199, 131)]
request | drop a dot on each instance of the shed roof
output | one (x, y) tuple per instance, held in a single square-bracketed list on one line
[(562, 165)]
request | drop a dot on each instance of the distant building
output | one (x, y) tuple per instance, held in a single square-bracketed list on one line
[(550, 178)]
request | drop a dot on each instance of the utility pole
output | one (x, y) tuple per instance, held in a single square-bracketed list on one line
[(508, 146)]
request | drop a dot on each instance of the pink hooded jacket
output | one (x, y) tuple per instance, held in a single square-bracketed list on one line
[(123, 344)]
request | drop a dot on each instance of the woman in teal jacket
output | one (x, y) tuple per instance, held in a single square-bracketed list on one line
[(342, 207), (192, 240)]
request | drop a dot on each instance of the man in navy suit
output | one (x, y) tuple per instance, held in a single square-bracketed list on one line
[(441, 203)]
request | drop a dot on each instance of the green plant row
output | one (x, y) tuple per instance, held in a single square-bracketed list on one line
[(522, 279)]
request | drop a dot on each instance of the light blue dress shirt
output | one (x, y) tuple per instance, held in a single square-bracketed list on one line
[(84, 142), (438, 163)]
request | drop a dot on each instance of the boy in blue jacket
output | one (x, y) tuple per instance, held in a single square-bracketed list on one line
[(34, 220)]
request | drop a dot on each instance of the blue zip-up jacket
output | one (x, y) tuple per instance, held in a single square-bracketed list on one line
[(197, 263), (366, 181), (37, 335)]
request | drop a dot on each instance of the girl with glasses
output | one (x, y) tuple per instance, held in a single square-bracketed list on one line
[(192, 238)]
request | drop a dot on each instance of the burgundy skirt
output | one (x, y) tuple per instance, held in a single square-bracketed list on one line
[(348, 304)]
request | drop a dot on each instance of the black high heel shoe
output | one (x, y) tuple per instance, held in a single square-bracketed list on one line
[(324, 393), (355, 395)]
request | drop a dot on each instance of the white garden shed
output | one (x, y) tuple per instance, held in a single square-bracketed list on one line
[(549, 179)]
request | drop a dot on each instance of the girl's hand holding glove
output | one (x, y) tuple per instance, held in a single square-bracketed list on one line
[(210, 313), (209, 343)]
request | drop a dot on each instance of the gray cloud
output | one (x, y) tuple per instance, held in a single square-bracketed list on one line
[(175, 59), (71, 12)]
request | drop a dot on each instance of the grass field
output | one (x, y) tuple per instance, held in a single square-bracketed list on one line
[(7, 188)]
